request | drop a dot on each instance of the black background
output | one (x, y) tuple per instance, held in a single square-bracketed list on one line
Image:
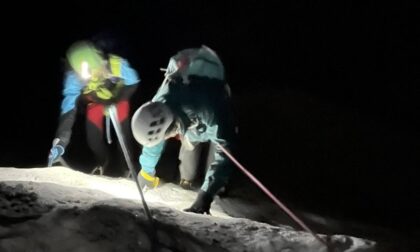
[(326, 92)]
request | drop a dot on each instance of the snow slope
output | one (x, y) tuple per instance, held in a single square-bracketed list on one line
[(59, 209)]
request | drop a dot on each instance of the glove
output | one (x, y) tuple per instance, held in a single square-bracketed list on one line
[(202, 203), (56, 152), (147, 181)]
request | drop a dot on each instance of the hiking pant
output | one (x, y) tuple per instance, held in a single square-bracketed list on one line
[(190, 155), (95, 134)]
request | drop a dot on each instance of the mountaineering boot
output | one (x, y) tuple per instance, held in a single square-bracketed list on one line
[(186, 184), (98, 170)]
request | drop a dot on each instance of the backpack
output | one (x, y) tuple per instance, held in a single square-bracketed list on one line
[(201, 62)]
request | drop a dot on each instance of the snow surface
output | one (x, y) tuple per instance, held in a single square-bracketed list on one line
[(60, 209)]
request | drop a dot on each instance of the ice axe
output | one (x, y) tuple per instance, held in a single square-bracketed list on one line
[(60, 160), (112, 112)]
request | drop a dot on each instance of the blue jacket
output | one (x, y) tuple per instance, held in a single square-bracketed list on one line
[(73, 90), (73, 85)]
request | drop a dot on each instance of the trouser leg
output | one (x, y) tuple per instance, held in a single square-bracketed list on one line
[(189, 156), (94, 133)]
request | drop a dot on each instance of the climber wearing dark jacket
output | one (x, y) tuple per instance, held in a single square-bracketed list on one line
[(194, 104)]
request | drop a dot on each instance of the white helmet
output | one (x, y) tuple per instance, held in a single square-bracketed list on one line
[(150, 123)]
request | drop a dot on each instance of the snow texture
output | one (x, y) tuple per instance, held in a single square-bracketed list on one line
[(59, 209)]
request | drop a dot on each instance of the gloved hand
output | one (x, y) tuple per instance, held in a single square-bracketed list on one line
[(202, 203), (56, 152), (147, 181)]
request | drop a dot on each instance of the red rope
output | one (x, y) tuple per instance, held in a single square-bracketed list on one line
[(277, 201)]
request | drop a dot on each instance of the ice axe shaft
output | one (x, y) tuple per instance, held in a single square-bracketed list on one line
[(60, 160), (108, 129), (112, 111)]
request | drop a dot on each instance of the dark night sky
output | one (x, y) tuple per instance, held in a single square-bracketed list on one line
[(327, 91)]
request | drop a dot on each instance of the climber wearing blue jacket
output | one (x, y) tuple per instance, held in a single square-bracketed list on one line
[(194, 104), (94, 80)]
